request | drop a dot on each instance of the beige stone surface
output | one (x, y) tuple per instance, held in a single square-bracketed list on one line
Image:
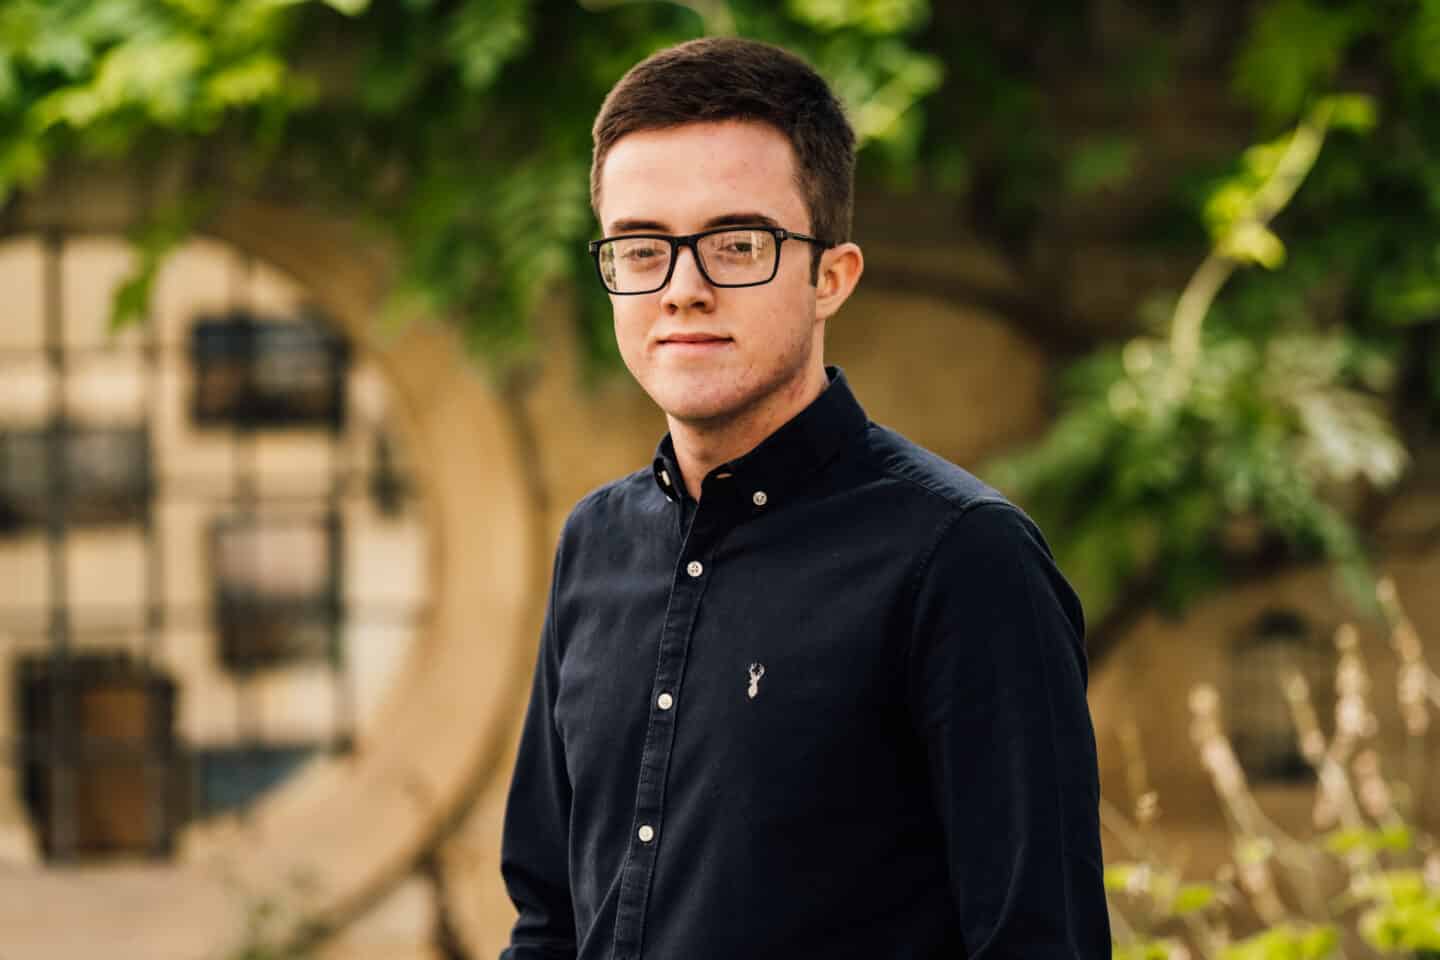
[(501, 470), (1145, 683), (355, 951), (350, 828), (470, 860), (401, 924)]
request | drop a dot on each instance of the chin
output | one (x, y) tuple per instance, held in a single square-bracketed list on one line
[(685, 402), (691, 410)]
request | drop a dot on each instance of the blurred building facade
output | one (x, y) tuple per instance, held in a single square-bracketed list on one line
[(271, 578)]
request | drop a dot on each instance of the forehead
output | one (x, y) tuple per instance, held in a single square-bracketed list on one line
[(683, 176)]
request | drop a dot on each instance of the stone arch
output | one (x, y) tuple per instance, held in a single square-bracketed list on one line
[(348, 826)]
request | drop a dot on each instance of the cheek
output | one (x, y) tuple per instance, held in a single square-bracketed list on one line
[(791, 312), (631, 325)]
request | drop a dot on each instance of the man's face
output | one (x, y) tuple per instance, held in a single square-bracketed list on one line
[(757, 341)]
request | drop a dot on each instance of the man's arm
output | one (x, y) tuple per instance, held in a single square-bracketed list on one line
[(534, 857), (998, 676)]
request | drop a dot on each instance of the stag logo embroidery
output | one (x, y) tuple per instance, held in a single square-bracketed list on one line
[(757, 670)]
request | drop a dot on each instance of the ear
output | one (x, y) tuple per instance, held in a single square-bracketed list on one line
[(840, 269)]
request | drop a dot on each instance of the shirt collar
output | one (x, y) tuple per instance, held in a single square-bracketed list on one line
[(782, 461)]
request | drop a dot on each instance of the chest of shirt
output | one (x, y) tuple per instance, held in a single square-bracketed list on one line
[(773, 655)]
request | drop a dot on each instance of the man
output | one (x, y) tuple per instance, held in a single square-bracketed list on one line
[(804, 689)]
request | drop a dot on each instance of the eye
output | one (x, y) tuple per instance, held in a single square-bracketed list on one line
[(642, 253), (741, 245)]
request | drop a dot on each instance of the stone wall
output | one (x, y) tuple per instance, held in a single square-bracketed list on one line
[(404, 838), (500, 469)]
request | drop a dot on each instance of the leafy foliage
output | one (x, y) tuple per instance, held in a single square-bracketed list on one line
[(460, 130), (1368, 876), (1251, 431), (1181, 456)]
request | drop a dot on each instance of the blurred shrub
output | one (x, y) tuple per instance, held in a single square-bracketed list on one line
[(1367, 883)]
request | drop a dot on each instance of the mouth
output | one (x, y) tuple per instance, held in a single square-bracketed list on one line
[(694, 341)]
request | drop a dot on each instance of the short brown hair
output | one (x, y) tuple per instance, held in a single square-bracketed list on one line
[(729, 78)]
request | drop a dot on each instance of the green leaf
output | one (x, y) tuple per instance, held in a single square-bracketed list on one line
[(1397, 837), (153, 242), (1285, 942), (1119, 876), (1319, 943), (1251, 242), (1193, 897), (871, 16), (1145, 949), (1356, 112), (484, 35), (22, 162), (254, 78), (1293, 51), (1101, 164), (9, 83)]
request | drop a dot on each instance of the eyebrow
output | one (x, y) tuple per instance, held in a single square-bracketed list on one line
[(741, 219)]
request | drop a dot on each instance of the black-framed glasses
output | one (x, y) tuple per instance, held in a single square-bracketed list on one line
[(727, 257)]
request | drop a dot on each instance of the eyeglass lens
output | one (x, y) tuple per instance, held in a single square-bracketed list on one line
[(730, 258)]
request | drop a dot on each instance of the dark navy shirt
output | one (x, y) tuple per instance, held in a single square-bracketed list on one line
[(835, 709)]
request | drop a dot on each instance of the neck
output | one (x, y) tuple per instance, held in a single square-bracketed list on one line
[(702, 445)]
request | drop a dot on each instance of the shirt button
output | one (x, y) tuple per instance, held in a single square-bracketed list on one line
[(665, 477), (695, 568), (646, 833), (759, 498), (664, 701)]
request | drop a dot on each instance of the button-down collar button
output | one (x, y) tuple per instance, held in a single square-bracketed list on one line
[(695, 568), (665, 477), (646, 833), (664, 701), (759, 498)]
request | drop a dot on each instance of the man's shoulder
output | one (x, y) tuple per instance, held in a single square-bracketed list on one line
[(946, 487), (978, 533), (629, 496)]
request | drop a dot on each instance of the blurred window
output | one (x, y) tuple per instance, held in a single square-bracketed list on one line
[(211, 562), (1262, 727), (275, 591), (102, 471), (102, 772), (257, 372)]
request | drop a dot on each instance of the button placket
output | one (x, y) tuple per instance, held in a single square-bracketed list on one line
[(687, 588)]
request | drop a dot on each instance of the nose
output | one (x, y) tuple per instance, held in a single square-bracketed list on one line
[(688, 289)]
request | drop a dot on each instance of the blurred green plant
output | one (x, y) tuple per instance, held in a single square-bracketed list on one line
[(1265, 414), (1249, 431), (457, 130), (1181, 459), (1367, 882)]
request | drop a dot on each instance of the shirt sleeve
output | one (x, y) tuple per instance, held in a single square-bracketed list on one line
[(534, 857), (998, 677)]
